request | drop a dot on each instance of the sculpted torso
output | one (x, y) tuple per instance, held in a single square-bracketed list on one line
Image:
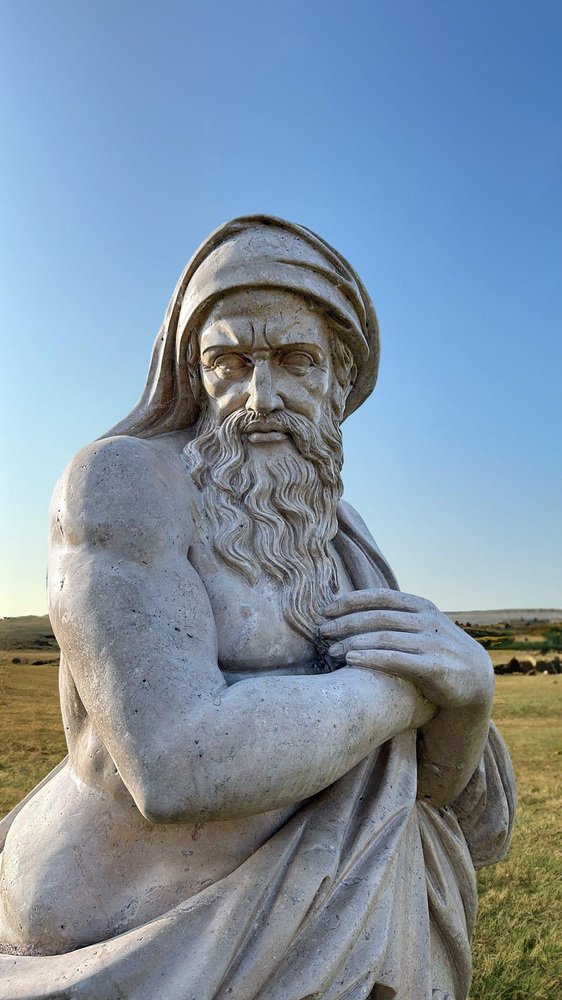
[(252, 635), (87, 842)]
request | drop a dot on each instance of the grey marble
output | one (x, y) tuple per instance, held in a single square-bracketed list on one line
[(281, 769)]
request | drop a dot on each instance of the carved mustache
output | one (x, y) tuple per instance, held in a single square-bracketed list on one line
[(320, 444), (294, 425)]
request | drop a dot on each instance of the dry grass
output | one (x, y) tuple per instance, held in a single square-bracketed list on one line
[(518, 941), (31, 736)]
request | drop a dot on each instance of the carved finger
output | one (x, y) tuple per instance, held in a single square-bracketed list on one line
[(409, 666), (426, 672), (382, 598), (404, 641), (372, 621), (398, 621)]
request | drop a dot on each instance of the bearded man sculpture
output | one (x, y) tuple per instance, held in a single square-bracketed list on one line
[(281, 771)]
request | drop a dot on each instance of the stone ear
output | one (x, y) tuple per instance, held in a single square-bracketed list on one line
[(195, 383), (192, 362), (343, 391), (351, 380)]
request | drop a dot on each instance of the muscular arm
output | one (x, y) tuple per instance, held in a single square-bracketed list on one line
[(135, 624)]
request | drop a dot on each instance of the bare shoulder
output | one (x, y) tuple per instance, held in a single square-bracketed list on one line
[(125, 493)]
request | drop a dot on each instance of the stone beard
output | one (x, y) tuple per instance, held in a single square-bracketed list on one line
[(276, 514)]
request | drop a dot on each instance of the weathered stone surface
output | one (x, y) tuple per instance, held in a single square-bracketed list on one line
[(281, 770)]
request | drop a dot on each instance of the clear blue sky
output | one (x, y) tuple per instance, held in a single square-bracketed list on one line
[(422, 139)]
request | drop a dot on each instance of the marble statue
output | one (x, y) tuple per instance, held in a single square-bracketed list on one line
[(281, 769)]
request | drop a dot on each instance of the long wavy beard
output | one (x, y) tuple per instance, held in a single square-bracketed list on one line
[(275, 515)]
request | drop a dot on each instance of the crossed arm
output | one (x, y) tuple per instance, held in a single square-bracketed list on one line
[(408, 637), (135, 625)]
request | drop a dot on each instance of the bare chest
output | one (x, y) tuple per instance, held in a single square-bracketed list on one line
[(253, 634)]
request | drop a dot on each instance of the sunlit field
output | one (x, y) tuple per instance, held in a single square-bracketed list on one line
[(518, 942)]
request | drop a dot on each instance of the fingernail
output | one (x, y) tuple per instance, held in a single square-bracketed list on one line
[(337, 649)]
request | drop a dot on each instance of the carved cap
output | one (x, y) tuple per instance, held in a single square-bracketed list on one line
[(257, 251)]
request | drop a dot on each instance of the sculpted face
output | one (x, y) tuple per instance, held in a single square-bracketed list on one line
[(265, 351)]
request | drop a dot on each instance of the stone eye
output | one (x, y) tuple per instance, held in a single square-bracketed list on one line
[(297, 359), (229, 364)]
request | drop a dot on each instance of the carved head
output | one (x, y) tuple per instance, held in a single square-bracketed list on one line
[(261, 259)]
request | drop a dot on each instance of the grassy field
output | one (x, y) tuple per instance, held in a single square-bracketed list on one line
[(31, 736), (518, 942)]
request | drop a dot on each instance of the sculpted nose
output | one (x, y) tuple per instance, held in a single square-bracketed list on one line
[(263, 397)]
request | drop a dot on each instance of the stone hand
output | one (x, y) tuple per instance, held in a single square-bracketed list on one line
[(409, 637)]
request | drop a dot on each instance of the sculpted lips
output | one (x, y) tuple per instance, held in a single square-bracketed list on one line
[(266, 436), (264, 432)]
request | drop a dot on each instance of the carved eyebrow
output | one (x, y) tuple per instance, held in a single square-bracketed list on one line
[(271, 346), (301, 347), (220, 335), (223, 349), (222, 327)]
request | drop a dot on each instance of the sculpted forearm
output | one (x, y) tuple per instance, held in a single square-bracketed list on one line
[(270, 742), (451, 744), (449, 749)]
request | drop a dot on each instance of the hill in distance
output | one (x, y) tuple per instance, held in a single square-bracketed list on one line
[(512, 616), (27, 632)]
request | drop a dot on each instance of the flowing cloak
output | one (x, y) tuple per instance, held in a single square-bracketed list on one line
[(348, 900)]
